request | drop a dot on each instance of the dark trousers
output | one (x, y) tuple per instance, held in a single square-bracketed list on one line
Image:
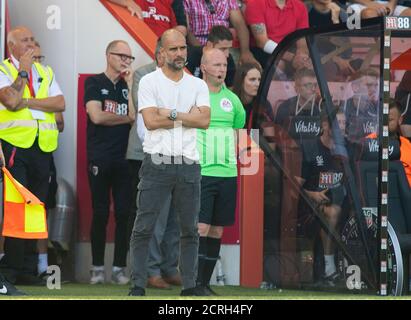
[(106, 176), (31, 168), (158, 183)]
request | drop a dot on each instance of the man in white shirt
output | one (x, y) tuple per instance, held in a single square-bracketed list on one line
[(173, 105)]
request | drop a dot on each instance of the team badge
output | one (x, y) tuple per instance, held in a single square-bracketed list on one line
[(125, 93), (104, 92)]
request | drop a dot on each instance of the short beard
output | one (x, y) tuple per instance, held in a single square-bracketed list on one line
[(174, 66)]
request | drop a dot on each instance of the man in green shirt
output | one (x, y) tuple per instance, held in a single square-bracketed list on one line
[(217, 148)]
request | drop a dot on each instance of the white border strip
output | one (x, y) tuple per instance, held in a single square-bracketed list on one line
[(2, 29)]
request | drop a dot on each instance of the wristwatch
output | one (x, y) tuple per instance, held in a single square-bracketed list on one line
[(23, 74), (173, 115)]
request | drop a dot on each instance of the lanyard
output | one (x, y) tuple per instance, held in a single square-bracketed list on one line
[(30, 81)]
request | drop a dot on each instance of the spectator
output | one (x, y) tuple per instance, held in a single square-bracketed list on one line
[(218, 164), (323, 182), (246, 83), (361, 109), (159, 15), (322, 13), (42, 244), (372, 9), (164, 246), (299, 115), (403, 96), (221, 38), (30, 96), (394, 129), (270, 21), (109, 115), (204, 14), (173, 104)]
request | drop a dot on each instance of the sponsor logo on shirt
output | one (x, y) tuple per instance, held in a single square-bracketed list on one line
[(374, 147), (226, 105), (369, 127), (307, 127), (152, 13), (111, 106), (320, 161), (104, 92), (330, 180)]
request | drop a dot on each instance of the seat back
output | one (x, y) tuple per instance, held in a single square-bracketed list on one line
[(399, 194)]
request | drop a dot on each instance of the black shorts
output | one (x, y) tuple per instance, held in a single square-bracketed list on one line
[(218, 200)]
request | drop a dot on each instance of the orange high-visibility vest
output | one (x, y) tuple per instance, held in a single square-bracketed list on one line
[(24, 214)]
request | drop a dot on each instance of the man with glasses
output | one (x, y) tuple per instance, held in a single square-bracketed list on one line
[(362, 108), (110, 114), (299, 115)]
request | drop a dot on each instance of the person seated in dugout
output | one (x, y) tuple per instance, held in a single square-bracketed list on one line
[(395, 119), (299, 115), (361, 109), (322, 180)]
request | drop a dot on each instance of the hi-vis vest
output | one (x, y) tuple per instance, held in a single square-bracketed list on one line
[(19, 128)]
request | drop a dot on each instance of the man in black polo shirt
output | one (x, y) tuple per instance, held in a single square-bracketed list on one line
[(110, 114), (220, 38)]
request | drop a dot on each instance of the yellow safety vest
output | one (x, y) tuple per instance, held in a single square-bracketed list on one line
[(19, 128)]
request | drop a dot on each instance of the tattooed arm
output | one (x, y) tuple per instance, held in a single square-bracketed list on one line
[(260, 34), (261, 38), (11, 96)]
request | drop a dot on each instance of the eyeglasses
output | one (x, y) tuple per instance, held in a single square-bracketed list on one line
[(124, 57), (39, 58), (210, 6), (310, 85)]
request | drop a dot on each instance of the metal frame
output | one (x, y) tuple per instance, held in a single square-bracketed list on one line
[(2, 29)]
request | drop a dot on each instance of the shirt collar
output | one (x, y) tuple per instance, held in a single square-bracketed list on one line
[(273, 4), (15, 61)]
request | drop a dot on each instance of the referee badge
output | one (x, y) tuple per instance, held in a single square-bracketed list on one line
[(226, 105)]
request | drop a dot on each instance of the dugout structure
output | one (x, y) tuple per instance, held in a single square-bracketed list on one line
[(367, 233)]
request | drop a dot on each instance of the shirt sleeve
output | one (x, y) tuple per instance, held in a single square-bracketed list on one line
[(4, 81), (239, 116), (203, 95), (253, 13), (54, 89), (146, 96), (91, 90), (302, 21)]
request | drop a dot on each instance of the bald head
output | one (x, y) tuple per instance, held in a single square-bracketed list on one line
[(212, 54), (171, 35), (19, 40), (214, 67)]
